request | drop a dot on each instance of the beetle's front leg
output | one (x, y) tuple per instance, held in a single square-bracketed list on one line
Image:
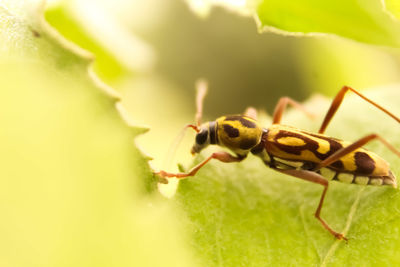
[(221, 156)]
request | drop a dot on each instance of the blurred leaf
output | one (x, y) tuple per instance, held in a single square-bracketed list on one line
[(106, 65), (326, 64), (88, 24), (392, 6), (364, 21), (74, 189), (244, 214)]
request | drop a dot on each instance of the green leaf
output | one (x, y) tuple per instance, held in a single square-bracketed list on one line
[(364, 21), (393, 7), (244, 214), (106, 65), (74, 188), (370, 21), (119, 53)]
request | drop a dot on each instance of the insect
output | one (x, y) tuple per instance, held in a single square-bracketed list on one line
[(313, 157)]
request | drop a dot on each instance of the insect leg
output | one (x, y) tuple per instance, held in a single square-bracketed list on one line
[(348, 149), (318, 179), (221, 156), (251, 113), (338, 100), (281, 106)]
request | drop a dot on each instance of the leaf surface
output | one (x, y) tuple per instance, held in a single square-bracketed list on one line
[(74, 188), (244, 214), (364, 21)]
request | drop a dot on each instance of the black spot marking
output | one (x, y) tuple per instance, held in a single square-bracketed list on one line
[(258, 148), (213, 133), (333, 143), (244, 121), (308, 165), (365, 164), (201, 137), (241, 157), (261, 145), (231, 131), (246, 143), (338, 164)]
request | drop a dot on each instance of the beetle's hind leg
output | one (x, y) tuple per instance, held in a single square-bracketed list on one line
[(338, 100), (318, 179)]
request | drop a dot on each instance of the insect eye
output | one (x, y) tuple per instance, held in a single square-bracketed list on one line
[(201, 137)]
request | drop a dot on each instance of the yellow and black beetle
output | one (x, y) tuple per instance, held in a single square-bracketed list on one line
[(313, 157)]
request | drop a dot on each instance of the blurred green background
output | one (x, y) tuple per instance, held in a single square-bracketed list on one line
[(167, 47), (77, 191)]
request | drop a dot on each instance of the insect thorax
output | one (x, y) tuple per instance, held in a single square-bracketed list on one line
[(238, 133)]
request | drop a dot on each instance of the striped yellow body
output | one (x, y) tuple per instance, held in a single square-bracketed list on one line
[(285, 147), (294, 144), (313, 157)]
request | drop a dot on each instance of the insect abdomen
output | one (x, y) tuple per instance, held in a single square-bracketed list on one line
[(331, 174), (351, 178), (298, 145)]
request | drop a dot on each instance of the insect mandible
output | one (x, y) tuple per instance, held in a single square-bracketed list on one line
[(313, 157)]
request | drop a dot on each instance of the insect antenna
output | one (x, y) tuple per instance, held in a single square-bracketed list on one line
[(201, 91), (173, 148)]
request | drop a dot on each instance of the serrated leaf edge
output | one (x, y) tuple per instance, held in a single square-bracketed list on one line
[(90, 58)]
